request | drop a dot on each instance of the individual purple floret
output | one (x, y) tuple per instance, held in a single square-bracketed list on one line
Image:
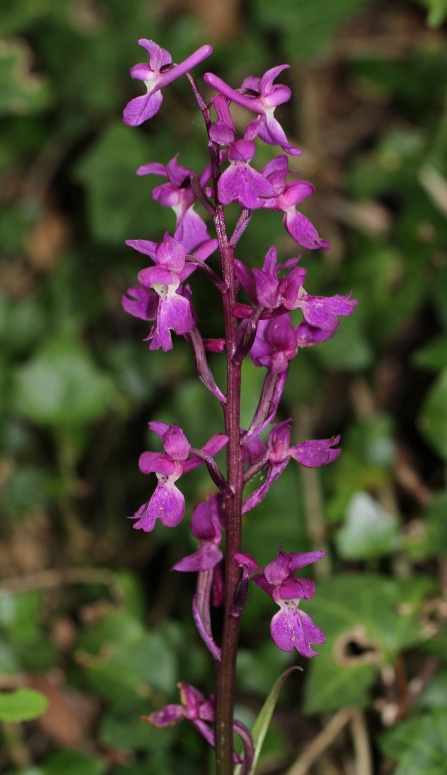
[(174, 310), (191, 229), (168, 503), (206, 526), (200, 713), (158, 73), (265, 287), (290, 628), (275, 344), (240, 182), (260, 96), (287, 196), (310, 454)]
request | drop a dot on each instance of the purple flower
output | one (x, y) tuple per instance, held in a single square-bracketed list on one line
[(200, 713), (290, 628), (191, 230), (262, 97), (206, 525), (167, 502), (275, 344), (194, 707), (310, 454), (240, 182), (174, 311), (265, 287), (287, 196), (143, 303), (158, 73)]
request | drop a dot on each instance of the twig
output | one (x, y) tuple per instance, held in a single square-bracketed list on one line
[(360, 738), (321, 742), (50, 579)]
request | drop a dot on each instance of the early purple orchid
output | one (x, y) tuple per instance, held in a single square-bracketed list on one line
[(207, 523), (278, 452), (158, 73), (290, 628), (260, 96), (287, 196), (168, 503), (191, 229), (265, 288), (200, 712), (174, 311), (266, 333)]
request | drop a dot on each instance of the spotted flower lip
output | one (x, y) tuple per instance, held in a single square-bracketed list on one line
[(260, 96), (290, 628), (158, 73), (167, 503)]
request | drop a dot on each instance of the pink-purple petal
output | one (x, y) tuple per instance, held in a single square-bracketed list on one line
[(206, 557), (167, 504), (315, 453), (142, 108), (302, 231), (166, 717), (293, 629)]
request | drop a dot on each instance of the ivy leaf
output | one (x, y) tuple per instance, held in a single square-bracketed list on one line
[(22, 705), (21, 91), (369, 530), (62, 386), (368, 620), (418, 744)]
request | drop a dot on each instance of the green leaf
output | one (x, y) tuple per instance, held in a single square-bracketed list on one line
[(73, 763), (62, 386), (366, 625), (21, 91), (348, 350), (418, 744), (369, 530), (307, 27), (432, 357), (262, 722), (433, 420), (120, 204), (437, 11), (22, 705)]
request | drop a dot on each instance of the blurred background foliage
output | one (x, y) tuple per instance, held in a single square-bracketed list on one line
[(90, 614)]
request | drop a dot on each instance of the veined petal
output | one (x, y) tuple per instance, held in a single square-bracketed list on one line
[(315, 453), (302, 231), (143, 303), (293, 629), (152, 168), (176, 444), (167, 504), (205, 558), (142, 108), (157, 462), (144, 246)]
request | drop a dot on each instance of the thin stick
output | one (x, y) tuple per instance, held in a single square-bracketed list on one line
[(360, 738), (321, 742), (50, 579)]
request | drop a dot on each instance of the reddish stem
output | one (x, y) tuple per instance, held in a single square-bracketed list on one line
[(226, 669)]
